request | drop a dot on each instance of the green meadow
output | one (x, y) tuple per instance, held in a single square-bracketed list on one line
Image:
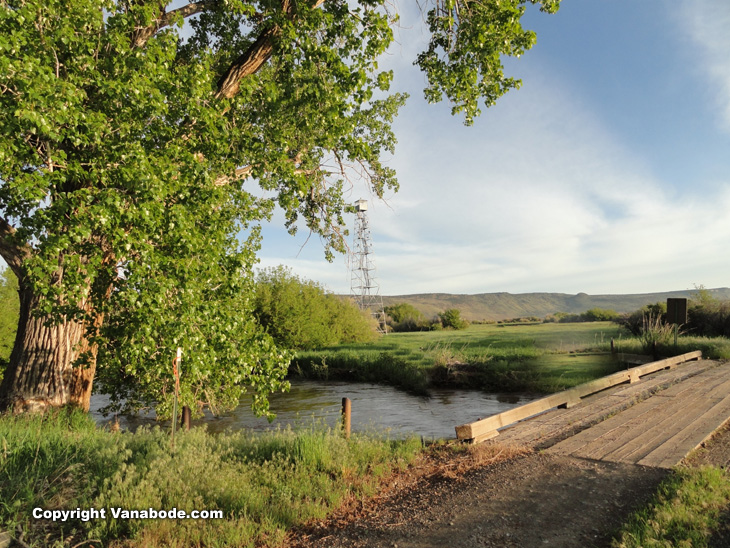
[(539, 357)]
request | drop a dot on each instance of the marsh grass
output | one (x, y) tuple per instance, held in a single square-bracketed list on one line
[(686, 511), (520, 358), (714, 348), (540, 358), (263, 483)]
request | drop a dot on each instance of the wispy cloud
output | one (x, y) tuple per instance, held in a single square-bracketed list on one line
[(706, 23), (540, 195)]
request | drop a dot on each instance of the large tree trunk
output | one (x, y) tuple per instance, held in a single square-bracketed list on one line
[(42, 372)]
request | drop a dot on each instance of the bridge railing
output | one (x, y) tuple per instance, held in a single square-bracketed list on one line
[(487, 428)]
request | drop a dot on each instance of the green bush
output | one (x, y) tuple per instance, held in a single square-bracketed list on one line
[(599, 315), (706, 317), (301, 315), (9, 310), (709, 319), (404, 317), (634, 322), (452, 318)]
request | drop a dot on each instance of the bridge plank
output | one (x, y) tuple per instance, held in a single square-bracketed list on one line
[(491, 424), (549, 428), (606, 431), (670, 420), (661, 430), (691, 437)]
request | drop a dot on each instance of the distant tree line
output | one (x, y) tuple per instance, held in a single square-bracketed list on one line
[(592, 315), (403, 317)]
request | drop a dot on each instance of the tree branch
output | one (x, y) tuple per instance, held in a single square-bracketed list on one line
[(256, 55), (248, 63), (13, 254), (241, 173), (143, 34)]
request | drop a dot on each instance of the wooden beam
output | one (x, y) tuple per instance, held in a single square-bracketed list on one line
[(486, 428)]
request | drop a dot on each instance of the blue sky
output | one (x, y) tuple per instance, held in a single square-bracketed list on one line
[(607, 172)]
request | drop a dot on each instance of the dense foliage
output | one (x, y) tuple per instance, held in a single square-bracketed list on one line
[(591, 315), (9, 307), (406, 317), (403, 317), (142, 143), (301, 315), (706, 317), (263, 484), (451, 318)]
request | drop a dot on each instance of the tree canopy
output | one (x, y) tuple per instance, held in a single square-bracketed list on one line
[(300, 315), (142, 143)]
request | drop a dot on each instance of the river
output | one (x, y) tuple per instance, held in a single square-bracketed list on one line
[(375, 407)]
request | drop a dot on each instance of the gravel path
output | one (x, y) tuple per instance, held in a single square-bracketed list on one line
[(492, 497)]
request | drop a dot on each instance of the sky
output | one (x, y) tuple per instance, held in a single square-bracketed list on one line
[(607, 172)]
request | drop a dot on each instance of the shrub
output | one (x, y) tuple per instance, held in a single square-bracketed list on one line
[(709, 319), (301, 315), (599, 315), (634, 322), (406, 317), (452, 318)]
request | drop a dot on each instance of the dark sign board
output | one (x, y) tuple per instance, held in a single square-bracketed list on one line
[(677, 311)]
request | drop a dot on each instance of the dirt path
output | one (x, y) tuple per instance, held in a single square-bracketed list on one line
[(528, 500)]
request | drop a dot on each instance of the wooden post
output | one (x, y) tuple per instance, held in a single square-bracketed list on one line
[(176, 379), (346, 416), (185, 421), (613, 347)]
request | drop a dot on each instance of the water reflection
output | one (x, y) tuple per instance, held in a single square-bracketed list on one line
[(374, 407)]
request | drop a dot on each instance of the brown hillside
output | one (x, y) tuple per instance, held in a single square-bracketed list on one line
[(502, 306)]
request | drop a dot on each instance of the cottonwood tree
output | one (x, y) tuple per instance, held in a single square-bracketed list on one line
[(136, 138)]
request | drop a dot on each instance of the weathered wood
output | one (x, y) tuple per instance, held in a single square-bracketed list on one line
[(661, 430), (567, 398), (545, 430), (677, 448), (346, 416)]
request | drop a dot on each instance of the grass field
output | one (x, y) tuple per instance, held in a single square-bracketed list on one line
[(533, 357), (545, 357), (263, 484)]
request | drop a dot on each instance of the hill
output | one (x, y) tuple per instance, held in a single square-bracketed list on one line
[(503, 306)]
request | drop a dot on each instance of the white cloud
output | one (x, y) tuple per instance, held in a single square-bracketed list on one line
[(707, 23), (538, 196)]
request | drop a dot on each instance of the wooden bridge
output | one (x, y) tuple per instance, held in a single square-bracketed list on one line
[(653, 415)]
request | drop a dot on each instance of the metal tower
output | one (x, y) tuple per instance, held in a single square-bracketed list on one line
[(363, 286)]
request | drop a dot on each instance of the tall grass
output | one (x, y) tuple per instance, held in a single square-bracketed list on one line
[(686, 511), (263, 483), (489, 357), (714, 348), (539, 358)]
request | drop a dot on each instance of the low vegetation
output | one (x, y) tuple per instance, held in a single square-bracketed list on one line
[(300, 315), (404, 317), (687, 510), (263, 483), (519, 358), (9, 310)]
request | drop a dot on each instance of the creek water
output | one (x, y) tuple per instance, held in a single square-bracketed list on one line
[(374, 408)]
